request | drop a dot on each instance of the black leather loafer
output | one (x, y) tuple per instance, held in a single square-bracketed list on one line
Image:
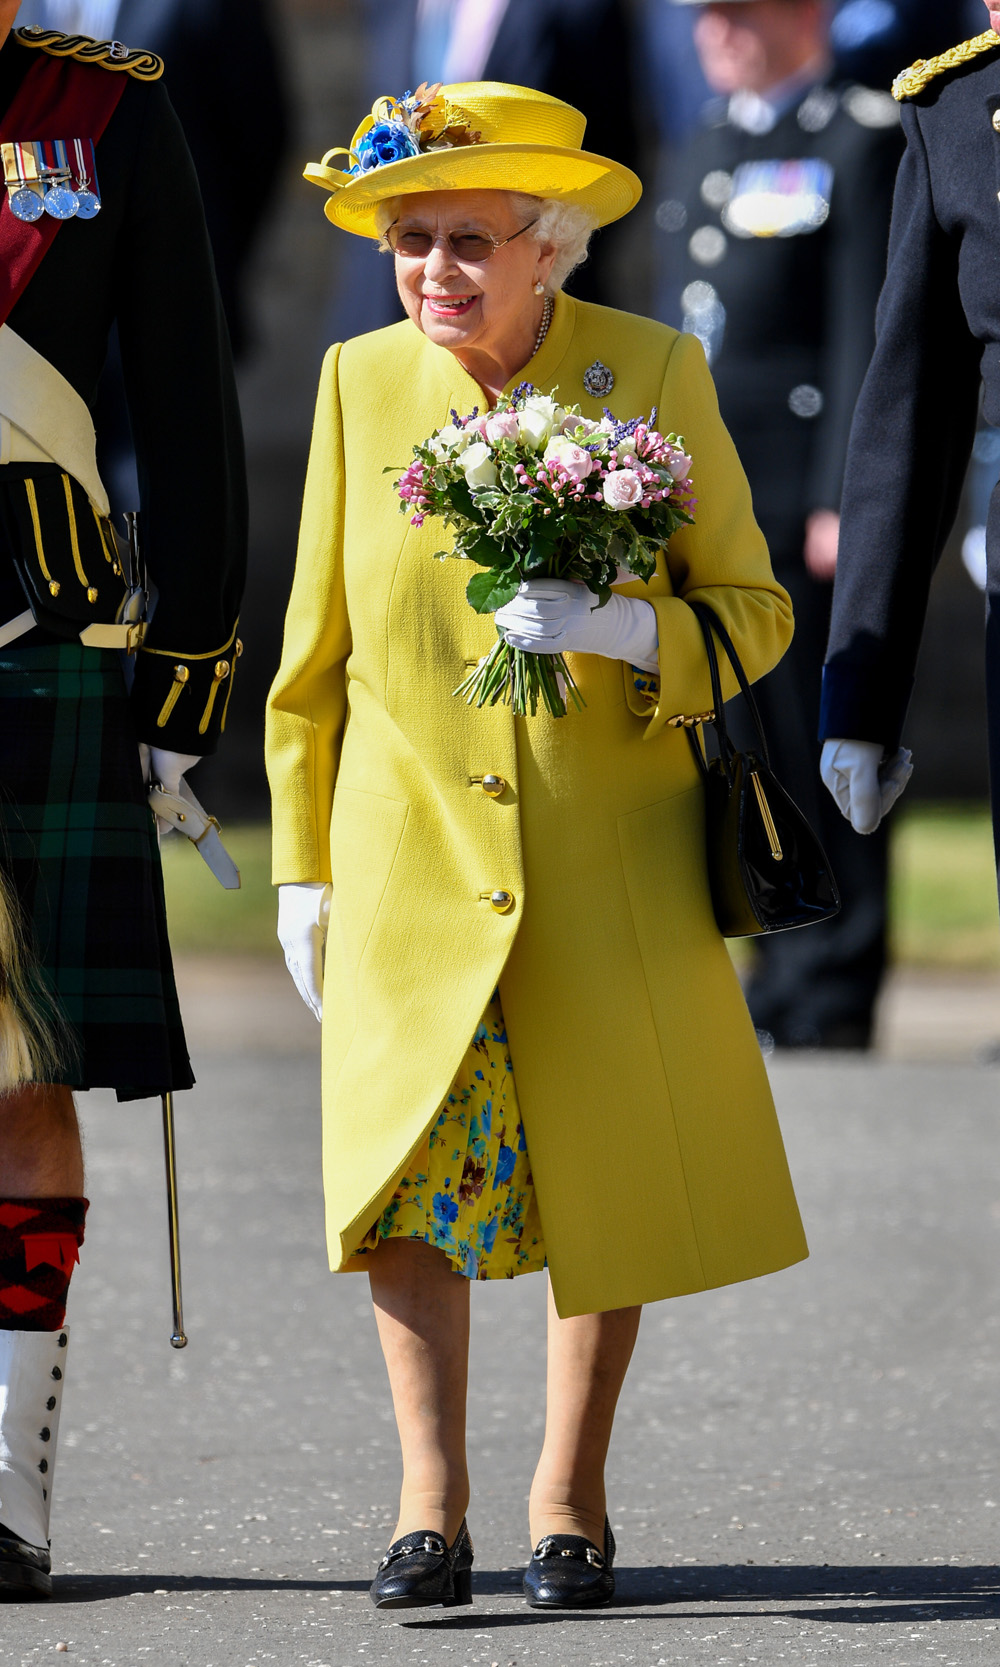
[(568, 1572), (25, 1570), (420, 1569)]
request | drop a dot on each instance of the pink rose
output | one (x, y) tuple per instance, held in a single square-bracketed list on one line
[(502, 425), (576, 460), (622, 489)]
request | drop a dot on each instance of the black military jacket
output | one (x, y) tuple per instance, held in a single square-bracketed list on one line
[(938, 333), (145, 263), (774, 245)]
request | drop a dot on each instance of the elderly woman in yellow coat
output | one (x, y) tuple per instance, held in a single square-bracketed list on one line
[(535, 1051)]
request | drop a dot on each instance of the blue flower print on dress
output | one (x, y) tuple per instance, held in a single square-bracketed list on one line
[(506, 1162), (445, 1208), (487, 1223)]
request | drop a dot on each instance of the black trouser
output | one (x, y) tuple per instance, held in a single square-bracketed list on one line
[(817, 986)]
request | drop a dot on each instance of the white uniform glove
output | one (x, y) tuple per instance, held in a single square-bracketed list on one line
[(303, 919), (166, 768), (556, 616), (864, 785)]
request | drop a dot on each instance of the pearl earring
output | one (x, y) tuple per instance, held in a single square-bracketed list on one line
[(539, 289)]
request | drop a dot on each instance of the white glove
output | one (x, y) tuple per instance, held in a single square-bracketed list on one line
[(166, 767), (556, 616), (303, 919), (864, 786)]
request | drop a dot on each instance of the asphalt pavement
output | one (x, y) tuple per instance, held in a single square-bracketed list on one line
[(805, 1469)]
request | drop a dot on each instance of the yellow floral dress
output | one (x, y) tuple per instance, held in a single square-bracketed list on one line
[(469, 1190)]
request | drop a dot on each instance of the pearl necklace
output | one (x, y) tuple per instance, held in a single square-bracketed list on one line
[(543, 328)]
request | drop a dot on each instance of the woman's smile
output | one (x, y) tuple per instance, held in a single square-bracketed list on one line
[(449, 306)]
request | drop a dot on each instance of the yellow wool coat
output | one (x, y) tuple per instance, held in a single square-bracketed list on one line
[(657, 1158)]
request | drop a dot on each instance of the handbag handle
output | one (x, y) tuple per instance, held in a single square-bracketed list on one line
[(710, 623)]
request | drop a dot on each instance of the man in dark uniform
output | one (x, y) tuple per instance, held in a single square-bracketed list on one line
[(938, 340), (100, 223), (773, 243)]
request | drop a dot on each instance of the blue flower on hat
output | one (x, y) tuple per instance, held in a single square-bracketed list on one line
[(385, 142)]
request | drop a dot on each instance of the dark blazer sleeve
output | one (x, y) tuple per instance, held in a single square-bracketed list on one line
[(909, 448), (861, 210), (188, 441)]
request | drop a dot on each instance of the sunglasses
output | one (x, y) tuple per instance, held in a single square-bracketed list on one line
[(471, 247)]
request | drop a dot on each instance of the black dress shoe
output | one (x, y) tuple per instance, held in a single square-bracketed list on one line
[(25, 1570), (420, 1569), (568, 1572)]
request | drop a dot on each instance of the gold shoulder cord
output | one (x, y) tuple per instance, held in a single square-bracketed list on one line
[(916, 78), (141, 65)]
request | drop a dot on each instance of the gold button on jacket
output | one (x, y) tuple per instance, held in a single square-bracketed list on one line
[(654, 1146)]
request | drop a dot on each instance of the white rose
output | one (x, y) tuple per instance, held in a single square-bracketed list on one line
[(535, 428), (626, 448), (538, 419), (478, 466), (449, 442)]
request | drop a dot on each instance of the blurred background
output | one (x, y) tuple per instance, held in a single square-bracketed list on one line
[(264, 86)]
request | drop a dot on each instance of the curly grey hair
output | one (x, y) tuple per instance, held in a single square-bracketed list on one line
[(566, 227)]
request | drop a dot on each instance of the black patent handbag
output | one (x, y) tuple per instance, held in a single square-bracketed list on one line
[(767, 870)]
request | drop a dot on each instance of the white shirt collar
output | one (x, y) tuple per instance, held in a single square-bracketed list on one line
[(760, 112)]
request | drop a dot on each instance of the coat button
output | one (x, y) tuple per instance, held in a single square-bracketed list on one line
[(996, 121), (502, 901), (493, 786)]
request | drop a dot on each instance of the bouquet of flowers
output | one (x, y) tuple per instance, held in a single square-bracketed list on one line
[(534, 490)]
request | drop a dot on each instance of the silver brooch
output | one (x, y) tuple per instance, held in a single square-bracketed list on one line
[(598, 379)]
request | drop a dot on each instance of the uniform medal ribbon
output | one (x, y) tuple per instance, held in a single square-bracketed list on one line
[(51, 176)]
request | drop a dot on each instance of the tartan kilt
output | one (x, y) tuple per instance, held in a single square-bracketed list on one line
[(78, 841)]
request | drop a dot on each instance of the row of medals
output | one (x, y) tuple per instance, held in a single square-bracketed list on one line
[(58, 199)]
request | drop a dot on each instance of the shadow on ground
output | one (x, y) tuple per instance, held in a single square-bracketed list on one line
[(867, 1595), (870, 1595)]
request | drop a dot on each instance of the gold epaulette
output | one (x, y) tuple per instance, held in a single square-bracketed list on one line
[(144, 66), (913, 80)]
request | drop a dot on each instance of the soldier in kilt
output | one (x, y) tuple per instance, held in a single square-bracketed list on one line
[(100, 224)]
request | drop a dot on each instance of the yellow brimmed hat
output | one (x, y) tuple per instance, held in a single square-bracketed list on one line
[(471, 136)]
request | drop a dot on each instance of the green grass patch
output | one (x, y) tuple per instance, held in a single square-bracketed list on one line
[(205, 919), (944, 902), (944, 889)]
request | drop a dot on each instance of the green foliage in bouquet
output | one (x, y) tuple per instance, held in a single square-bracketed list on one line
[(534, 490)]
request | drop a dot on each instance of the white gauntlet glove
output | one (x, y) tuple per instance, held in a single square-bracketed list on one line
[(166, 769), (303, 919), (864, 786), (556, 616)]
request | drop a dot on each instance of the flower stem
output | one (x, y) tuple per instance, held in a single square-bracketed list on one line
[(521, 680)]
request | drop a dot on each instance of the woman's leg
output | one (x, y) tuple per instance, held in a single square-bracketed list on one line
[(588, 1359), (422, 1312)]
